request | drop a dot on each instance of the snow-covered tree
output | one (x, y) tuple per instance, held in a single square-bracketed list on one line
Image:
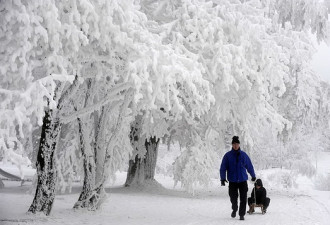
[(237, 64), (24, 89), (301, 102), (324, 115), (301, 14), (109, 43), (245, 49)]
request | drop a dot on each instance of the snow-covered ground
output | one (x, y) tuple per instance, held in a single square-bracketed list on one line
[(300, 204)]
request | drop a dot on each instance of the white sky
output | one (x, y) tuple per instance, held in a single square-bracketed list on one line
[(321, 62)]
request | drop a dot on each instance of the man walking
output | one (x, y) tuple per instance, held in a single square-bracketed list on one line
[(235, 163)]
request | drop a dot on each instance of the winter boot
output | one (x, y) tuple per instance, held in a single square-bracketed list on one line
[(241, 218), (233, 214)]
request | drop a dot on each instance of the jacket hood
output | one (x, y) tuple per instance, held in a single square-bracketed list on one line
[(258, 183)]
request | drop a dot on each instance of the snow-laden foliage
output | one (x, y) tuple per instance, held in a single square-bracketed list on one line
[(301, 14), (283, 179), (323, 116), (322, 182), (254, 54), (24, 89), (233, 44), (196, 165), (69, 159)]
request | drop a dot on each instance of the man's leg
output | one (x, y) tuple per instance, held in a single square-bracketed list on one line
[(243, 189), (233, 194)]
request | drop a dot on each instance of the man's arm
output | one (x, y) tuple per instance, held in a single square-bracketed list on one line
[(249, 167), (223, 168)]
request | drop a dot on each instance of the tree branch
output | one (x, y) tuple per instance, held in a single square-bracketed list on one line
[(111, 97)]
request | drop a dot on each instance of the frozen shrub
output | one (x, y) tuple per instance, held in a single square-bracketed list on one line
[(322, 182), (304, 168), (282, 179), (194, 167)]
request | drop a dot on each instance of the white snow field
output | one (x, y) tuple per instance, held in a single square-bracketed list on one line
[(301, 204)]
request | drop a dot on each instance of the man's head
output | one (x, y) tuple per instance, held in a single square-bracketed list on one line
[(235, 143)]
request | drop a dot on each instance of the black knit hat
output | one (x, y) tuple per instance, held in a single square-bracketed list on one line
[(235, 140)]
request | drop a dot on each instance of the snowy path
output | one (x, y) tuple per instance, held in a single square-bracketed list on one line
[(165, 207)]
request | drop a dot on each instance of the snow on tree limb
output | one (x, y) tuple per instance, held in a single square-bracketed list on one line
[(113, 96)]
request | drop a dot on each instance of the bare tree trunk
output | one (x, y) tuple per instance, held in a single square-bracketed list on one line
[(96, 163), (86, 199), (46, 171), (142, 169), (92, 192), (91, 195), (99, 146)]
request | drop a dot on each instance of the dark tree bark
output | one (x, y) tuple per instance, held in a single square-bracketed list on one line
[(46, 166), (142, 169), (46, 171)]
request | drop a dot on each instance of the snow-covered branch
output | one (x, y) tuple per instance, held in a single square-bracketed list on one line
[(110, 97)]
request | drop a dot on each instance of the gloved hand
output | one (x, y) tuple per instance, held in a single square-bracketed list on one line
[(253, 179), (223, 182)]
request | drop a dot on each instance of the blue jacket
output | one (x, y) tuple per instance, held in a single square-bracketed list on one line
[(235, 163)]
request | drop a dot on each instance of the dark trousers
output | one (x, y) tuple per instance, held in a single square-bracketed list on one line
[(265, 202), (242, 189)]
